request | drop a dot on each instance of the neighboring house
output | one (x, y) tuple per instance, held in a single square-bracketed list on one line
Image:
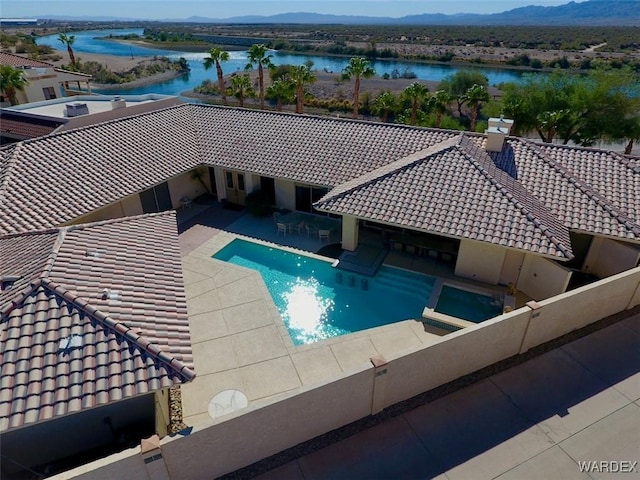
[(94, 331), (45, 80), (37, 119), (516, 215)]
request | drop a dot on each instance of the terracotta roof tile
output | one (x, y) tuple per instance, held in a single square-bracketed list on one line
[(40, 186), (127, 345), (604, 203), (18, 61), (453, 189)]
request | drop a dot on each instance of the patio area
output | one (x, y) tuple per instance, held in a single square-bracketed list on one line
[(240, 342)]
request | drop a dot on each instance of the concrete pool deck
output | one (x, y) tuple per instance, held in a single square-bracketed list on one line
[(240, 342)]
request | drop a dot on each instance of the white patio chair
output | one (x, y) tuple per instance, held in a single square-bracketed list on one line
[(282, 228), (324, 235)]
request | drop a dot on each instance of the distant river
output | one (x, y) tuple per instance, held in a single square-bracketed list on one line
[(87, 41)]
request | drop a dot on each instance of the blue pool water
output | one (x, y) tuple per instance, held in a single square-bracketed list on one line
[(315, 304), (465, 304)]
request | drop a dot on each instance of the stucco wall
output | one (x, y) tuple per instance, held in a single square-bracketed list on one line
[(243, 439), (132, 206), (480, 261), (349, 232), (182, 186), (607, 257), (541, 278), (115, 210), (580, 307), (511, 267), (285, 194), (457, 354)]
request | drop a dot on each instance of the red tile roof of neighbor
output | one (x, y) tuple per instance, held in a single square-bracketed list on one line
[(52, 180), (18, 61), (115, 288)]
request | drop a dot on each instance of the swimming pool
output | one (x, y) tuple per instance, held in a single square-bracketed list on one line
[(317, 301), (471, 306)]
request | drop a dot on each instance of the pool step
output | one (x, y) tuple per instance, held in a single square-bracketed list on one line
[(400, 283)]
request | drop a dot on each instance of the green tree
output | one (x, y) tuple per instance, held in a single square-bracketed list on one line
[(283, 91), (474, 97), (258, 56), (217, 55), (301, 76), (416, 94), (384, 105), (68, 40), (241, 88), (440, 104), (358, 68), (12, 80), (458, 84), (601, 106)]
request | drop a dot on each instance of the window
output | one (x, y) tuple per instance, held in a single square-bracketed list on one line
[(306, 195), (49, 93)]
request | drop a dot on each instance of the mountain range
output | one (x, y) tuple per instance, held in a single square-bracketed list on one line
[(586, 13)]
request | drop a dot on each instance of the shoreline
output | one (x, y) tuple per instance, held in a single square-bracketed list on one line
[(117, 63)]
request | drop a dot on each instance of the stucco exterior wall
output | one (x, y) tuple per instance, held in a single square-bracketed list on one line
[(184, 186), (541, 278), (457, 354), (480, 261), (607, 257), (349, 232), (115, 210), (266, 430), (580, 307), (285, 194), (132, 206)]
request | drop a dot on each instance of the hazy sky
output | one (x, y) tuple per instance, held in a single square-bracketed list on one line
[(150, 9)]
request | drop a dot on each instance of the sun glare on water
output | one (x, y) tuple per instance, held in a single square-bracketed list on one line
[(306, 310)]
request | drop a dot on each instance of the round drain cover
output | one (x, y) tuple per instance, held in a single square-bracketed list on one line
[(226, 402)]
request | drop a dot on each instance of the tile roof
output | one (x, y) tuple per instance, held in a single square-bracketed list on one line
[(588, 191), (133, 340), (16, 125), (18, 61), (40, 186), (318, 150), (453, 189)]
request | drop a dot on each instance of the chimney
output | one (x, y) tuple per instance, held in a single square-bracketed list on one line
[(117, 102), (498, 130)]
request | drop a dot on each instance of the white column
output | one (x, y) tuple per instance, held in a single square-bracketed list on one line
[(349, 232)]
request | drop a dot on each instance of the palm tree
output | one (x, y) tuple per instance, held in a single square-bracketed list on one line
[(301, 75), (359, 67), (474, 96), (241, 87), (68, 40), (12, 80), (258, 56), (415, 93), (282, 91), (217, 55), (384, 104), (440, 102)]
